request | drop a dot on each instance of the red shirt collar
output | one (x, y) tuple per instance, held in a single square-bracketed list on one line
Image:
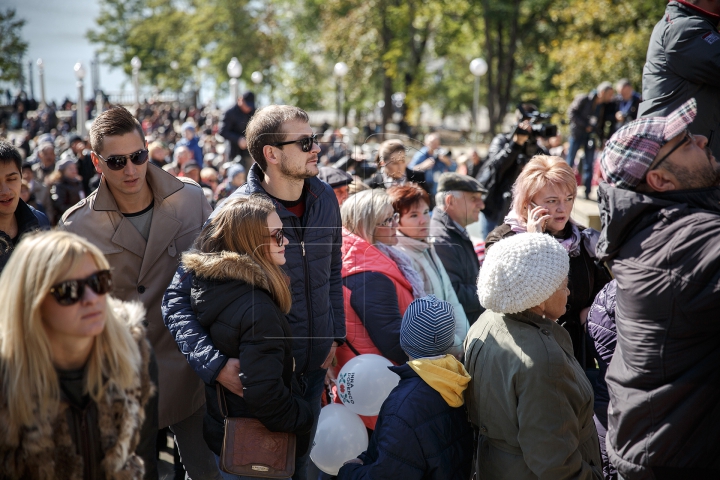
[(698, 9)]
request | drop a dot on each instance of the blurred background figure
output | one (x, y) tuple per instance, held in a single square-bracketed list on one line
[(338, 180)]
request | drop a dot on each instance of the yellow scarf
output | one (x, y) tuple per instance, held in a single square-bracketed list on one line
[(445, 375)]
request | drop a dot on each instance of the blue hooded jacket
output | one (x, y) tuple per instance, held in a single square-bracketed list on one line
[(314, 263)]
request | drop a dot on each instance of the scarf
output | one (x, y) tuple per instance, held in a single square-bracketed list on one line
[(589, 237), (405, 265)]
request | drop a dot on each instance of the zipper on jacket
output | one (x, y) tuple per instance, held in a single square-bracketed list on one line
[(302, 244), (308, 300)]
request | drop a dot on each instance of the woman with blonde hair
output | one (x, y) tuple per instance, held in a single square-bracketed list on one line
[(241, 296), (543, 199), (74, 365)]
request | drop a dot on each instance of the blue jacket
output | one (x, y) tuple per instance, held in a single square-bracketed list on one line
[(28, 220), (194, 146), (431, 174), (417, 436), (314, 264)]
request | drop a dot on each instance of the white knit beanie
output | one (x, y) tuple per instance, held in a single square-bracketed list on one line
[(521, 272)]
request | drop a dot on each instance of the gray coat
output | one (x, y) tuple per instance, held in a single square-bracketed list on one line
[(683, 61), (664, 379), (530, 401)]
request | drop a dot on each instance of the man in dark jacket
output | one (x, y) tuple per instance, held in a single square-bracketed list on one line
[(507, 155), (283, 145), (590, 117), (423, 430), (661, 222), (233, 125), (16, 217), (627, 103), (683, 62), (459, 201)]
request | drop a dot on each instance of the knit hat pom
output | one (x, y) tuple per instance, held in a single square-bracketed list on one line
[(521, 272)]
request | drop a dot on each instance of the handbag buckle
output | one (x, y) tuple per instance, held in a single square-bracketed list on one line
[(260, 468)]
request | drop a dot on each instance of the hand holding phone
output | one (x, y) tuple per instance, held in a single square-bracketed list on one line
[(537, 218)]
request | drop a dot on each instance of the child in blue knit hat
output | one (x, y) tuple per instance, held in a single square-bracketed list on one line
[(422, 430)]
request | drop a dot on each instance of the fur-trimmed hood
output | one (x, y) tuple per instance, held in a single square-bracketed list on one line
[(225, 266)]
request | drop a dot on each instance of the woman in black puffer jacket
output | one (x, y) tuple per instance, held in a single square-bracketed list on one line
[(241, 296)]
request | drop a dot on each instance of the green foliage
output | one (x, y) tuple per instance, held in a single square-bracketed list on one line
[(545, 51), (12, 47)]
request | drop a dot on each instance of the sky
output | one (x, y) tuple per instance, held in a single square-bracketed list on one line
[(55, 31)]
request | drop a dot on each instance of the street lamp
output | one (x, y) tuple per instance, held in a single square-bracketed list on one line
[(80, 109), (256, 77), (340, 70), (136, 63), (41, 73), (478, 67), (234, 69)]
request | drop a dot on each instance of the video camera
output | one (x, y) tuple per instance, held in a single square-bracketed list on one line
[(538, 129)]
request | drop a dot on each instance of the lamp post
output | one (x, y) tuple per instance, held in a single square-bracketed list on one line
[(80, 109), (340, 70), (234, 69), (478, 67), (41, 74), (136, 63)]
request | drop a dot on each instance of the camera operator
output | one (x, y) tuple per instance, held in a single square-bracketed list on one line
[(508, 154)]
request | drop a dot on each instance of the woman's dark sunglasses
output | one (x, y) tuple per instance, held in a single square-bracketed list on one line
[(118, 162), (279, 237), (306, 143), (70, 292)]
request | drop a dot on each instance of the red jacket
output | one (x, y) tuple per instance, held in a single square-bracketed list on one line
[(360, 256)]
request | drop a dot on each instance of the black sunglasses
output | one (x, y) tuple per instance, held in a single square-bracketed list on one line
[(70, 292), (687, 138), (279, 237), (306, 143), (118, 162)]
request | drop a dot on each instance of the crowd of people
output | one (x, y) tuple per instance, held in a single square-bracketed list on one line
[(140, 293)]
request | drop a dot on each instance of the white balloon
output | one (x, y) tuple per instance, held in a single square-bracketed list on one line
[(365, 382), (340, 436)]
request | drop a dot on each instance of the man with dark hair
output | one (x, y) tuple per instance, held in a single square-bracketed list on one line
[(233, 124), (589, 115), (282, 143), (683, 62), (660, 227), (16, 217), (142, 219)]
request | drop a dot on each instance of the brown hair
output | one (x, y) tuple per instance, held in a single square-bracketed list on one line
[(266, 128), (387, 148), (240, 226), (540, 171), (405, 197), (112, 122)]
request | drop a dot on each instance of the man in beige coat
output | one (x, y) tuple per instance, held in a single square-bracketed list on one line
[(142, 219)]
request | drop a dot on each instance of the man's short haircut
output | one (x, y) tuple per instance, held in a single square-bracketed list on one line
[(622, 83), (430, 137), (113, 122), (604, 86), (441, 196), (8, 153), (266, 128)]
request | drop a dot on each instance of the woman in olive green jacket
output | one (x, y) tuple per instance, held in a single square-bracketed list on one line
[(528, 397)]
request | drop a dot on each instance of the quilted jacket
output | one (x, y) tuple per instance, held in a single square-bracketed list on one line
[(313, 265)]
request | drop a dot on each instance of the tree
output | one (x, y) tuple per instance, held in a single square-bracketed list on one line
[(12, 46)]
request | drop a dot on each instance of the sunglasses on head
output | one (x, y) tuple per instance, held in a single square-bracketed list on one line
[(306, 143), (70, 292), (118, 162), (279, 237)]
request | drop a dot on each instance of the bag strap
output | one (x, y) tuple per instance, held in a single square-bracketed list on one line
[(222, 402), (350, 346)]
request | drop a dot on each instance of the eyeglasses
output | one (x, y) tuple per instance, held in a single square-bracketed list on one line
[(388, 222), (306, 143), (688, 138), (279, 237), (70, 292), (118, 162)]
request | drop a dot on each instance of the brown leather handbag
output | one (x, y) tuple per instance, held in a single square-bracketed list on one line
[(251, 450)]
